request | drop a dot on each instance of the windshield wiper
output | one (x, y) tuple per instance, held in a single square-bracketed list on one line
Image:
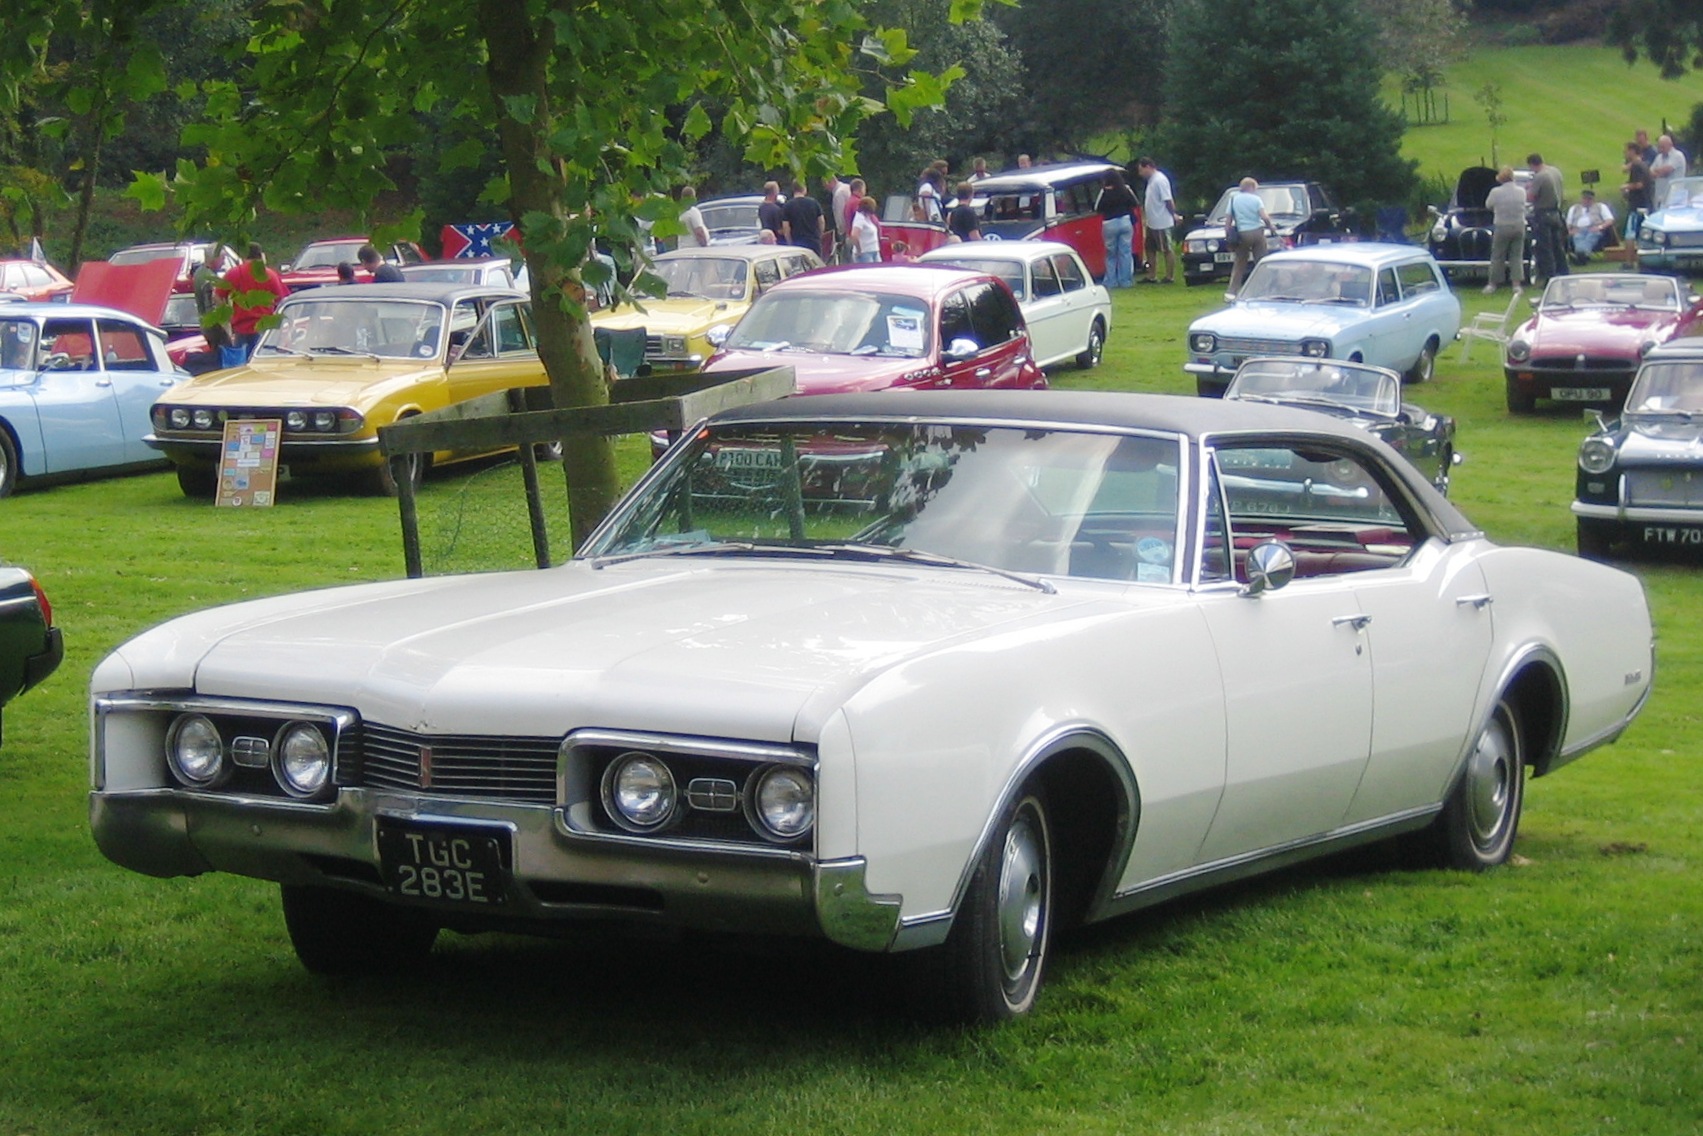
[(706, 548), (933, 559), (341, 351)]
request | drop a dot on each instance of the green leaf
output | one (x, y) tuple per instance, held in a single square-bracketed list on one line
[(146, 189), (697, 122)]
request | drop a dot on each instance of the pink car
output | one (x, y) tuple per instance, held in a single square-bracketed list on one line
[(874, 327)]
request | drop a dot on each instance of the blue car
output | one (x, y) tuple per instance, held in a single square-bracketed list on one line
[(76, 383), (1671, 239), (1383, 304)]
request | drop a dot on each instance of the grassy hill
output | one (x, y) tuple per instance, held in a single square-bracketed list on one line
[(1577, 105)]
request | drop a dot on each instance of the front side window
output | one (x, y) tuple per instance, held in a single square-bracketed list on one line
[(68, 345), (1059, 502), (994, 314)]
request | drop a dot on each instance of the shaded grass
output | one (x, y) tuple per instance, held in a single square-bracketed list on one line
[(1353, 996)]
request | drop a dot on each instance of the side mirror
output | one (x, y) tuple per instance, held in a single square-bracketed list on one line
[(960, 349), (1433, 211), (1271, 565)]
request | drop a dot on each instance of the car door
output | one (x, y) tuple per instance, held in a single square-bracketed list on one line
[(997, 330), (1390, 337), (74, 399), (501, 352), (138, 371), (1049, 314)]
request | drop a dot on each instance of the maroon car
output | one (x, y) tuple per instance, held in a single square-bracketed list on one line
[(1589, 331), (316, 265), (871, 327)]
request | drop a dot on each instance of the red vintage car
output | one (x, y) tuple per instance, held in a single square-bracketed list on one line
[(33, 280), (1584, 341), (316, 265), (871, 327)]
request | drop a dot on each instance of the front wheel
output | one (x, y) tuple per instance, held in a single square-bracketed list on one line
[(197, 482), (8, 464), (1520, 401), (1594, 538), (997, 951), (1090, 357), (339, 932), (1426, 365), (1476, 829), (386, 480)]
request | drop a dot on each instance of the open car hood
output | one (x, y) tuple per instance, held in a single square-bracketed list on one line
[(1472, 187), (140, 289)]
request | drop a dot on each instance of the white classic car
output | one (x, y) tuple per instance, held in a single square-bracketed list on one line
[(930, 671), (1067, 313)]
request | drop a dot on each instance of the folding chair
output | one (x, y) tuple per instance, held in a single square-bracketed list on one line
[(622, 349), (1490, 325)]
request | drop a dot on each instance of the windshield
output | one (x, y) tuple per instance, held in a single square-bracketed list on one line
[(181, 312), (1004, 267), (836, 323), (1309, 281), (1684, 193), (1052, 502), (1280, 201), (328, 256), (1596, 290), (1667, 388), (146, 255), (730, 215), (706, 277), (1327, 382), (392, 328)]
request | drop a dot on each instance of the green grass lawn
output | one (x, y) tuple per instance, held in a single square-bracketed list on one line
[(1558, 995)]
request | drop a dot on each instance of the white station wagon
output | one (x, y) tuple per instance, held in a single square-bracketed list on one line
[(1067, 313), (918, 671)]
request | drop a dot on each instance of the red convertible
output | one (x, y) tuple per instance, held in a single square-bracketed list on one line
[(1589, 331)]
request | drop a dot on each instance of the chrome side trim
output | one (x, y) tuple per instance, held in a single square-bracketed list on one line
[(848, 912), (1604, 737)]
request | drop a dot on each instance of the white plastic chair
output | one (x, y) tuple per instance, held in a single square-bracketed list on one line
[(1490, 325)]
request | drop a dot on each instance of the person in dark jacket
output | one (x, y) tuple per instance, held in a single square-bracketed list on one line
[(1117, 222)]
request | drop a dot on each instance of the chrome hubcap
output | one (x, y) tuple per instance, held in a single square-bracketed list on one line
[(1022, 896), (1490, 782)]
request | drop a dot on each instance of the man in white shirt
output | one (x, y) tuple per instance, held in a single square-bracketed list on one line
[(839, 208), (697, 235), (1588, 222), (1158, 218), (1665, 170)]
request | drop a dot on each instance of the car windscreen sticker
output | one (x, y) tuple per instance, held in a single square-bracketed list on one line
[(904, 329)]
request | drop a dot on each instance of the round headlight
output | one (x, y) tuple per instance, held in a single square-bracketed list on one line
[(1438, 232), (179, 418), (195, 751), (302, 759), (1213, 244), (1596, 455), (203, 419), (295, 420), (784, 802), (1315, 348), (325, 421), (1519, 350), (1202, 342), (639, 792)]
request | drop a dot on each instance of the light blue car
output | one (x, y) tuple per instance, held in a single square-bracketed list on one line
[(76, 383), (1671, 239), (1383, 304)]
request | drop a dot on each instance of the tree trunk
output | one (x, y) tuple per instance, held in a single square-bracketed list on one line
[(518, 55), (86, 198)]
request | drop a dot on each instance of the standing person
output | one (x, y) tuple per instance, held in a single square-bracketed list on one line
[(1588, 223), (215, 325), (1117, 224), (965, 221), (1507, 205), (1549, 230), (978, 169), (930, 188), (1250, 220), (380, 272), (697, 234), (802, 217), (854, 202), (1158, 218), (1668, 166), (865, 233), (345, 272), (1023, 161), (769, 213), (1645, 150), (1637, 191), (839, 207), (253, 291)]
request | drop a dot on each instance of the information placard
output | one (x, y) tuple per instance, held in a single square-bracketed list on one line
[(248, 462)]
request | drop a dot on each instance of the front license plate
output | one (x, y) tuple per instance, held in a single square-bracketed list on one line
[(1677, 535), (457, 865), (1224, 257), (1580, 394)]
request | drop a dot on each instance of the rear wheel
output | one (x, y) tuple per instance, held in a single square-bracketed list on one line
[(8, 463), (1476, 829), (1090, 357), (997, 952), (339, 932), (1426, 365)]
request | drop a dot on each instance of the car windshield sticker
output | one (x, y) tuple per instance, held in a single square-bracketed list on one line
[(904, 330)]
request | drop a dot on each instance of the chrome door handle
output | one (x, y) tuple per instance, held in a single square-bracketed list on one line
[(1358, 622), (1477, 602)]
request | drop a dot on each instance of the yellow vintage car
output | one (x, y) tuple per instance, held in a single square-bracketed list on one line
[(708, 290), (344, 361)]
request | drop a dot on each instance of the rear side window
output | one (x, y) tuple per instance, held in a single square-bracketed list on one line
[(1069, 273), (1417, 278), (124, 347), (1046, 279)]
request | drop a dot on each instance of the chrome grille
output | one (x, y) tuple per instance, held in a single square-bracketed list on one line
[(1686, 240), (451, 765), (1606, 365), (1242, 345), (1653, 487)]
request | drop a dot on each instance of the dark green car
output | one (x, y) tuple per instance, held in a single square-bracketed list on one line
[(30, 646)]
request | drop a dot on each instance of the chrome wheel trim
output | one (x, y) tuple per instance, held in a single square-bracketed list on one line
[(1021, 901), (1491, 789)]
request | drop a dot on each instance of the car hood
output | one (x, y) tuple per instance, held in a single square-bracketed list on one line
[(679, 317), (1267, 320), (1596, 331), (317, 380), (1473, 187), (1660, 440), (827, 374), (720, 647), (1679, 219)]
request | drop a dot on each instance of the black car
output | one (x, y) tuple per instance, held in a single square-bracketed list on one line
[(30, 646), (1368, 397), (1304, 213), (1640, 476), (1460, 233)]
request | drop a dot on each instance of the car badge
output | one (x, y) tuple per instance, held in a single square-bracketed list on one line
[(1579, 362), (425, 767)]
